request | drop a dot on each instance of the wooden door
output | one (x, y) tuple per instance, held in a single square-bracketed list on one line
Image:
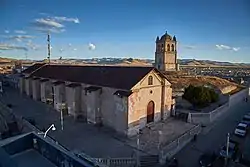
[(150, 112)]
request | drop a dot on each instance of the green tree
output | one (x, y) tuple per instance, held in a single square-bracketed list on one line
[(200, 96)]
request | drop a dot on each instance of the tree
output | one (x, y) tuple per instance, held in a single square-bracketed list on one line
[(200, 96)]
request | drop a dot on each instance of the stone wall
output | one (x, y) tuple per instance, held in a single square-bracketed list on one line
[(176, 145)]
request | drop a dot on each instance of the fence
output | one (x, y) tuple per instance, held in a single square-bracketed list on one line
[(177, 144)]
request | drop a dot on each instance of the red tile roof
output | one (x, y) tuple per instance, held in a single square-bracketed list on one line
[(120, 77)]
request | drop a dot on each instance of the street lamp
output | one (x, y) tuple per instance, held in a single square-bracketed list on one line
[(52, 127), (61, 115), (228, 140), (138, 147)]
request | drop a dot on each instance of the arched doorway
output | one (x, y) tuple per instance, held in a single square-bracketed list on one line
[(150, 112)]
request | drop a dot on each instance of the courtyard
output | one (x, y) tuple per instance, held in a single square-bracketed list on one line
[(98, 142)]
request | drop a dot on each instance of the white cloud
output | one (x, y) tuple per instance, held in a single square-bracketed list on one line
[(20, 32), (12, 47), (42, 13), (189, 47), (221, 47), (48, 23), (226, 47), (7, 31), (32, 46), (236, 49), (61, 50), (75, 49), (69, 44), (20, 38), (51, 30), (62, 19), (91, 46), (52, 24)]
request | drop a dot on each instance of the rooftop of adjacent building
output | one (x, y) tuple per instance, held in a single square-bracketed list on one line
[(29, 150)]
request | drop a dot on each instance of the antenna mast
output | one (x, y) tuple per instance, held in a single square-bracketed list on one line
[(48, 47)]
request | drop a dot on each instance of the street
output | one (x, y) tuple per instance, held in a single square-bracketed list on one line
[(213, 137)]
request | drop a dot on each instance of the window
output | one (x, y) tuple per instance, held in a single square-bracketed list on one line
[(150, 80), (172, 47), (168, 47)]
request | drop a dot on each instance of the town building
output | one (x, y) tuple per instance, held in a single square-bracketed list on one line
[(166, 53), (123, 98)]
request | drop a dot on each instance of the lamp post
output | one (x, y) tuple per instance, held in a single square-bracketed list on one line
[(138, 147), (61, 116), (52, 127), (228, 139)]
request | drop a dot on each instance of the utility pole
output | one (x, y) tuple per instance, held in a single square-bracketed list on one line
[(228, 139), (48, 39)]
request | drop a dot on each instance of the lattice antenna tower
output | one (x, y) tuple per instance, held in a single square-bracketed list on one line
[(49, 47)]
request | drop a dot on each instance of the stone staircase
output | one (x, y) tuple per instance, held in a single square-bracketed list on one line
[(149, 161)]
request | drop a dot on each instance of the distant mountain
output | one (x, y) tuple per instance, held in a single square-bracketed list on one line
[(132, 62)]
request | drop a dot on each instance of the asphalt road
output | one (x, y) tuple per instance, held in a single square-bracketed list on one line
[(212, 138)]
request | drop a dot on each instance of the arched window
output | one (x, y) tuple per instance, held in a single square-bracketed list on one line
[(150, 80), (172, 47), (168, 47), (162, 47)]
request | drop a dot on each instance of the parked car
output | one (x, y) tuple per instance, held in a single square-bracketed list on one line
[(241, 129), (246, 119), (207, 159), (231, 150)]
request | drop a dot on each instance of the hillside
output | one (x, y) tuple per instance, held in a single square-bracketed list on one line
[(180, 82), (135, 62)]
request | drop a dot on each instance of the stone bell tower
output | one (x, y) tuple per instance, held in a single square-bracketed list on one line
[(166, 53)]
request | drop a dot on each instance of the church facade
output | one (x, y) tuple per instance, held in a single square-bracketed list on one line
[(166, 53)]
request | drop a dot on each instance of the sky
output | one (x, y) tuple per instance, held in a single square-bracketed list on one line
[(205, 29)]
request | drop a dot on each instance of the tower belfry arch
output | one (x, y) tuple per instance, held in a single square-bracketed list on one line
[(166, 53)]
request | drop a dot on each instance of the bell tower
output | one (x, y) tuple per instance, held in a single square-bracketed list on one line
[(166, 53)]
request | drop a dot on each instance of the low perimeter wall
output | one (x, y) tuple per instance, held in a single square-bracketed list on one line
[(207, 118), (176, 145)]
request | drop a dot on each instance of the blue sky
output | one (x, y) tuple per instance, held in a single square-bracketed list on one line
[(214, 29)]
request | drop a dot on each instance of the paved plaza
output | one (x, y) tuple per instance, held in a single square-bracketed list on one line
[(94, 141)]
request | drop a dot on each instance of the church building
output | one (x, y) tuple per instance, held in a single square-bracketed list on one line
[(124, 98)]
